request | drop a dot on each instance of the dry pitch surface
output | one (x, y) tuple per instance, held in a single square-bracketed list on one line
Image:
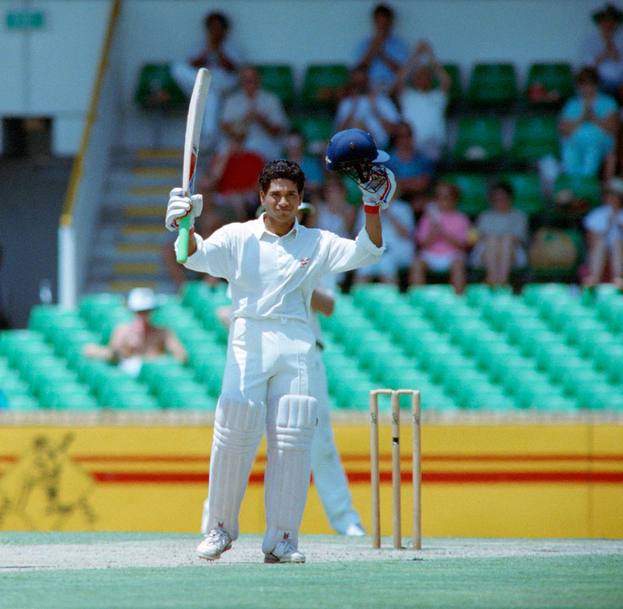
[(99, 552), (161, 571)]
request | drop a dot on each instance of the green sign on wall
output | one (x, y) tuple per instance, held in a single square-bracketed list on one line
[(24, 20)]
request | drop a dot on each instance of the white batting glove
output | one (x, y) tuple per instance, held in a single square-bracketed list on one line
[(378, 192), (181, 206)]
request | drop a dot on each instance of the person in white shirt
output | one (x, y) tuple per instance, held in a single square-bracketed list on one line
[(604, 231), (366, 109), (272, 265), (399, 232), (259, 113), (222, 58), (423, 105)]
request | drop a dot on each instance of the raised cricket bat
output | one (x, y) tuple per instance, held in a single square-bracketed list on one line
[(191, 152)]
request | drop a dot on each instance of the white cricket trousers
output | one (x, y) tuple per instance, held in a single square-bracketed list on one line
[(265, 388), (329, 476)]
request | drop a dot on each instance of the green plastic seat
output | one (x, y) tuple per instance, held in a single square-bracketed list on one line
[(154, 78), (321, 83), (534, 138), (456, 87), (278, 79), (600, 397), (473, 189), (492, 84), (586, 188), (479, 139), (528, 195), (21, 402), (555, 79), (316, 130)]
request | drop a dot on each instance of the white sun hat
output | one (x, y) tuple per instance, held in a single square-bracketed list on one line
[(141, 299)]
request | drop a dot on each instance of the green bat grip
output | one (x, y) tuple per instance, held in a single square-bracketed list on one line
[(182, 240)]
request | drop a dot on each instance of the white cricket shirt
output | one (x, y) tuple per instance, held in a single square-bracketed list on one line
[(273, 277)]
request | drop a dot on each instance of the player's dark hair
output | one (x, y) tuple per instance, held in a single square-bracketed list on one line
[(505, 186), (216, 16), (281, 170), (384, 10)]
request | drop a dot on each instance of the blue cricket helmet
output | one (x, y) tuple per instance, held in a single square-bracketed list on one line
[(352, 147)]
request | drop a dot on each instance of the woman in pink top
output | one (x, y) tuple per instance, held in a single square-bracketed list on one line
[(442, 236)]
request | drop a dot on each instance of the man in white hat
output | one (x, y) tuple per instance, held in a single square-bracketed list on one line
[(133, 342)]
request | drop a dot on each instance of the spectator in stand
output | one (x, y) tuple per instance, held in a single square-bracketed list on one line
[(604, 232), (260, 113), (132, 343), (588, 125), (311, 165), (232, 175), (223, 59), (334, 212), (502, 237), (366, 109), (398, 235), (604, 49), (422, 104), (413, 170), (382, 54), (443, 238)]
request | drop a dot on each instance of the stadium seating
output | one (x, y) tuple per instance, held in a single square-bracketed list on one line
[(551, 349), (473, 189), (535, 137), (278, 79), (321, 82), (492, 84), (479, 139), (528, 195), (549, 78), (154, 78)]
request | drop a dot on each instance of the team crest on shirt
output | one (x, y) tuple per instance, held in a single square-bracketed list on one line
[(304, 262)]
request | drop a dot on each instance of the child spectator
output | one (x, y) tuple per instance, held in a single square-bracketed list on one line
[(442, 236), (604, 232), (588, 125), (334, 212), (365, 109), (382, 54), (422, 104), (502, 236)]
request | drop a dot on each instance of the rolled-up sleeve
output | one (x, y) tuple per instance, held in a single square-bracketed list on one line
[(213, 255), (348, 254)]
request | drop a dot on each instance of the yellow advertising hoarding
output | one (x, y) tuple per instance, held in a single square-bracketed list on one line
[(506, 480)]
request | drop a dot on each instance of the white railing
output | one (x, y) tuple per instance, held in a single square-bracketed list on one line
[(90, 168)]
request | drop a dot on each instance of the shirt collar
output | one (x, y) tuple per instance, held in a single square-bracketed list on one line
[(259, 228)]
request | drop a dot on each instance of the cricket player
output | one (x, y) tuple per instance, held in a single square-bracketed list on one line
[(272, 265)]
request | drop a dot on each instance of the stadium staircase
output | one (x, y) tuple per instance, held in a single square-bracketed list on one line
[(551, 350), (130, 236)]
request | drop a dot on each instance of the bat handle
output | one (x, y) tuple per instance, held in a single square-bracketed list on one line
[(182, 240)]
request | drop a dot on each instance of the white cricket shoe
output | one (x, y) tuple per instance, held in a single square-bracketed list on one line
[(355, 530), (284, 552), (214, 544)]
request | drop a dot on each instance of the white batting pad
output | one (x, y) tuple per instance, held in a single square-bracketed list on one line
[(238, 428), (290, 428)]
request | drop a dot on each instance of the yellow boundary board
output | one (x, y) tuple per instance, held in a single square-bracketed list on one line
[(506, 480)]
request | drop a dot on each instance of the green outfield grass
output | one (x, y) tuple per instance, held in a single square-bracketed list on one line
[(518, 582)]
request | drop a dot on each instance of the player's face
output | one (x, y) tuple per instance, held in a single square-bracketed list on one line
[(281, 200)]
